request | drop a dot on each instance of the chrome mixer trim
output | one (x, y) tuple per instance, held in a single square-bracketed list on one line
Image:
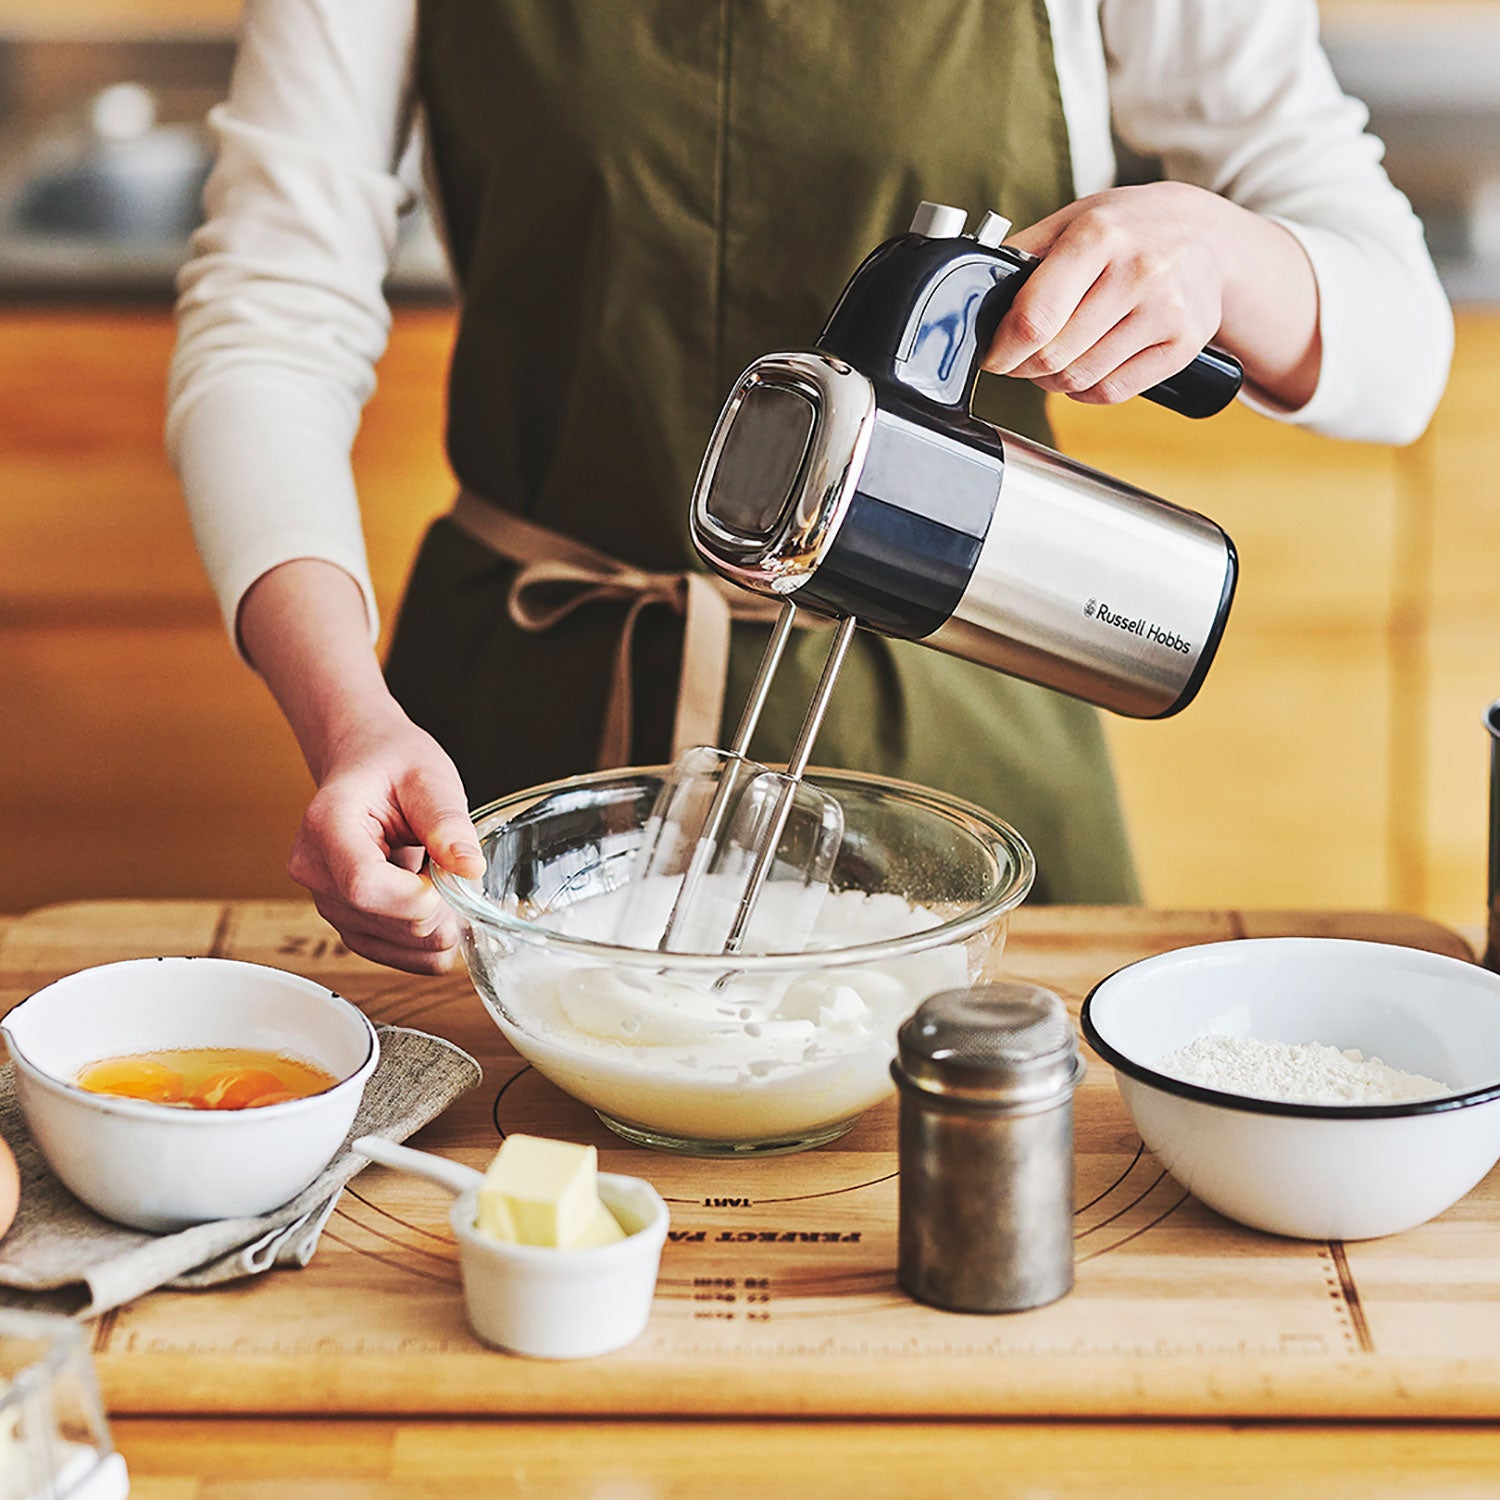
[(844, 404)]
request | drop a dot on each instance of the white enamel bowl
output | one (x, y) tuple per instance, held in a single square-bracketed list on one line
[(1343, 1172), (155, 1167)]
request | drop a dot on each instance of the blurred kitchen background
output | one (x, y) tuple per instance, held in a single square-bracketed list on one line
[(1335, 758)]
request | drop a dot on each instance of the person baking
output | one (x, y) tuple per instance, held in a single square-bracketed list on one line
[(640, 198)]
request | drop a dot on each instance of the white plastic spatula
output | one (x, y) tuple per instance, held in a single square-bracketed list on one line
[(724, 826)]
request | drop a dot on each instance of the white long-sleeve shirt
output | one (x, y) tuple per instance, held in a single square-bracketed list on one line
[(282, 316)]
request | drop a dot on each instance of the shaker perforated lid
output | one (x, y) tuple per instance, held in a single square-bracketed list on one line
[(1005, 1044)]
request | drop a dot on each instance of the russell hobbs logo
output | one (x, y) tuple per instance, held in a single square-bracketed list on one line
[(1137, 626)]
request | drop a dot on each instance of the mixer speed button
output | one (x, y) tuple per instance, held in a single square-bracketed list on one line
[(938, 221), (992, 229)]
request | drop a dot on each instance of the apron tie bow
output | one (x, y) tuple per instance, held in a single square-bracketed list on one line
[(557, 575)]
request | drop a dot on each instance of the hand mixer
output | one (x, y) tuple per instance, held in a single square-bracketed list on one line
[(853, 480)]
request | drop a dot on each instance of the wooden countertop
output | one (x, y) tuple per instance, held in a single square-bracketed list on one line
[(379, 1460), (398, 1449)]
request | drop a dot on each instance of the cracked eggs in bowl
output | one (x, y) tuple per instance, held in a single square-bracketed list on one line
[(159, 1165)]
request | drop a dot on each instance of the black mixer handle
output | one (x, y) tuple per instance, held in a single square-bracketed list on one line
[(923, 307), (1204, 388)]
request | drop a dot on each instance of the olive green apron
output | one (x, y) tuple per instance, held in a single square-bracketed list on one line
[(640, 197)]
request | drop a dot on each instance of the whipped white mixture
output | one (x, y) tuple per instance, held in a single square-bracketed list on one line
[(724, 1054), (1295, 1072)]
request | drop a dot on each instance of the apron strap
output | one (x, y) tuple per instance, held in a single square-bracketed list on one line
[(556, 575)]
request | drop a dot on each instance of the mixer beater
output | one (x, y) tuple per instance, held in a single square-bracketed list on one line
[(722, 820)]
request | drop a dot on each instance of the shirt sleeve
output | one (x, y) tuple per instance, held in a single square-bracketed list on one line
[(281, 313), (1237, 96)]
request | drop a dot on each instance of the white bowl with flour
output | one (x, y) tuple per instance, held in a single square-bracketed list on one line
[(1315, 1087), (768, 1051)]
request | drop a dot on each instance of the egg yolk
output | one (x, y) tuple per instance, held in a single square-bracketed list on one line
[(206, 1078), (238, 1088), (135, 1078)]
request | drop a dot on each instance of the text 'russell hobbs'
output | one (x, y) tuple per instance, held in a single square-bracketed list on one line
[(1140, 627)]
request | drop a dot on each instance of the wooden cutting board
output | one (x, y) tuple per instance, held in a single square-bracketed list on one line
[(777, 1293)]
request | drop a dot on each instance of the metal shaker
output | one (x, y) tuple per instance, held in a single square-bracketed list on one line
[(986, 1079)]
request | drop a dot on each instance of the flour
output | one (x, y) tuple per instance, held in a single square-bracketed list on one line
[(1295, 1072)]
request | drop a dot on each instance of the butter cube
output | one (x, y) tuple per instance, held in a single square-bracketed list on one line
[(540, 1192), (603, 1229)]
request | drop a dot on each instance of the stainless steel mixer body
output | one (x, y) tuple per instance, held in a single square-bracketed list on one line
[(853, 480)]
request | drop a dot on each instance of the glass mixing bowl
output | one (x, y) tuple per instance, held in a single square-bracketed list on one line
[(759, 1053)]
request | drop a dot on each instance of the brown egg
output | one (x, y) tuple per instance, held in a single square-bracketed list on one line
[(10, 1187)]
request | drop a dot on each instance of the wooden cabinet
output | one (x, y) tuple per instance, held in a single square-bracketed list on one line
[(1274, 784), (141, 757), (1447, 626), (1335, 757)]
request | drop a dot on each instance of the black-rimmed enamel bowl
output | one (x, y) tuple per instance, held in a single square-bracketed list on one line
[(1313, 1171)]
